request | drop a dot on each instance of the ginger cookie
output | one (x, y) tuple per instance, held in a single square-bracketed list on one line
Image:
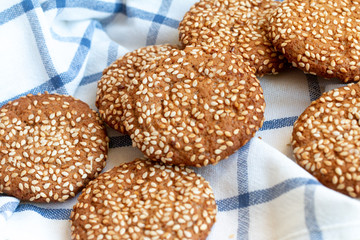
[(319, 37), (239, 27), (116, 80), (50, 146), (194, 107), (145, 200), (326, 139)]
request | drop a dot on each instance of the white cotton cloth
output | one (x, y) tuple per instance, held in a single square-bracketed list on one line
[(63, 46)]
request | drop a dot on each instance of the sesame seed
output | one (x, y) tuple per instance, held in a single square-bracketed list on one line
[(324, 60), (178, 218), (325, 143), (168, 114), (240, 33), (37, 175)]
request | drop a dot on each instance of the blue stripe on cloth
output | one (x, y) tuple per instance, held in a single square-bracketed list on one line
[(243, 188), (314, 87), (27, 5), (55, 79), (11, 13), (64, 39), (112, 52), (100, 6), (138, 13), (157, 21), (278, 123), (9, 206), (118, 8), (7, 209), (49, 213), (95, 5), (60, 3), (263, 195), (310, 215), (74, 68), (130, 12), (48, 5), (91, 78), (171, 22)]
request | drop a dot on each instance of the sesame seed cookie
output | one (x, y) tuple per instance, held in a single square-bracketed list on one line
[(145, 200), (236, 26), (194, 107), (320, 37), (50, 146), (326, 139), (116, 79)]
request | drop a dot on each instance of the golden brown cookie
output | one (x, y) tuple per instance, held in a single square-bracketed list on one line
[(194, 107), (236, 26), (145, 200), (50, 146), (326, 139), (117, 78), (320, 37)]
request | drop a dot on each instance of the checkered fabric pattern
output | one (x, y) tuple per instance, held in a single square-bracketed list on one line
[(63, 46)]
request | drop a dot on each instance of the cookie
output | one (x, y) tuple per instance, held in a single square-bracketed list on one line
[(239, 27), (50, 146), (319, 37), (145, 200), (116, 79), (194, 107), (326, 139)]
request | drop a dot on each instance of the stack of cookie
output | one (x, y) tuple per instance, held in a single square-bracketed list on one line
[(196, 104), (190, 107)]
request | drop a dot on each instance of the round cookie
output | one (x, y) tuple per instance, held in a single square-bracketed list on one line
[(117, 78), (319, 37), (239, 27), (50, 146), (194, 107), (145, 200), (326, 139)]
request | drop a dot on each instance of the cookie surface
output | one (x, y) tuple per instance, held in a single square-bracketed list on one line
[(145, 200), (116, 79), (326, 139), (194, 107), (50, 147), (319, 37), (239, 27)]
